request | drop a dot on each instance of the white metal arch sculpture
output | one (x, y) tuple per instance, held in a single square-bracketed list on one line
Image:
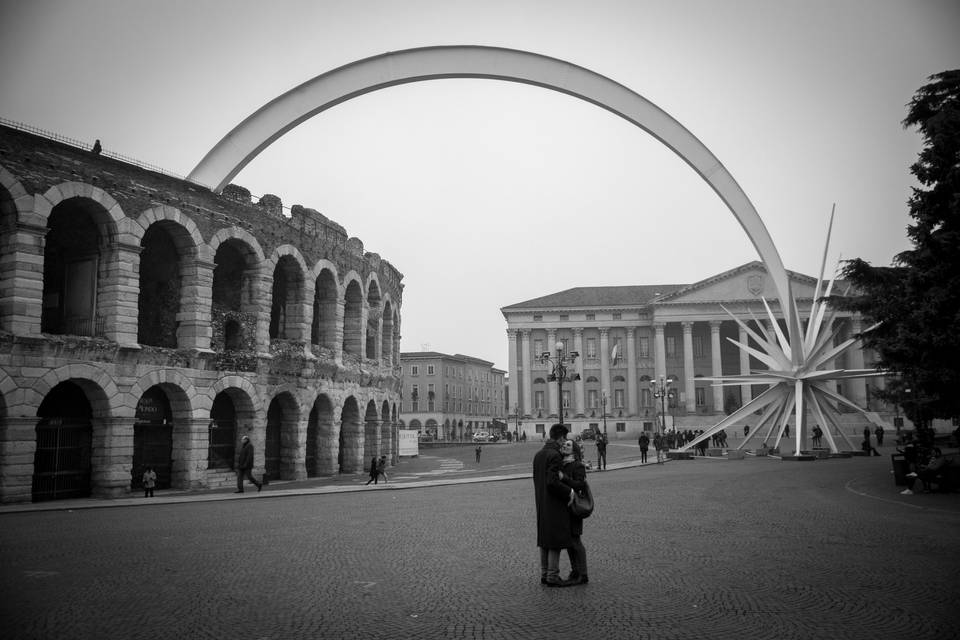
[(285, 112)]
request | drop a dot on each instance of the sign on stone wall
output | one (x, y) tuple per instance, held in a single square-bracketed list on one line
[(408, 443)]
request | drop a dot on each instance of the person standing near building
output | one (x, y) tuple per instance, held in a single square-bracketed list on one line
[(879, 433), (478, 452), (644, 443), (658, 446), (601, 452), (552, 498), (245, 466), (149, 482), (574, 475)]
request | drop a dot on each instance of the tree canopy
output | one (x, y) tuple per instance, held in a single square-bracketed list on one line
[(917, 299)]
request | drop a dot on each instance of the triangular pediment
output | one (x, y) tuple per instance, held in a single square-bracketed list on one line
[(748, 282)]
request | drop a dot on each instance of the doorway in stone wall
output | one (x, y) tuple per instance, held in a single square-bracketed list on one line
[(62, 461), (152, 438)]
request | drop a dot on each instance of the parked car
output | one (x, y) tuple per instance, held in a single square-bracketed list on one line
[(481, 436), (588, 434)]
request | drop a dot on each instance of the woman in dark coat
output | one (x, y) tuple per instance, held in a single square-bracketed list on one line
[(553, 515), (575, 477), (374, 472)]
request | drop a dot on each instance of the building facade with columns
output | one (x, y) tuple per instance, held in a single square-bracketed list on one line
[(450, 397), (628, 336), (146, 321)]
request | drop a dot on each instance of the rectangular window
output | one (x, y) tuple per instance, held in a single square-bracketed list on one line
[(621, 427), (618, 398), (619, 347), (564, 317), (670, 343), (414, 370), (701, 397), (538, 400), (591, 316), (566, 399), (591, 347), (645, 398), (537, 317), (643, 347), (593, 399), (616, 315), (430, 370), (697, 346), (540, 428), (537, 347)]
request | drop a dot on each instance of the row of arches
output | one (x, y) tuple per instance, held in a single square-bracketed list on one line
[(154, 280), (84, 445)]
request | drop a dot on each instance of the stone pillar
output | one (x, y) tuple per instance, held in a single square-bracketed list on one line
[(191, 444), (371, 441), (341, 307), (633, 408), (660, 351), (513, 382), (746, 392), (18, 446), (263, 286), (293, 448), (21, 278), (111, 456), (328, 445), (196, 297), (717, 365), (578, 402), (858, 386), (527, 374), (352, 453), (605, 360), (690, 402), (364, 319), (119, 293)]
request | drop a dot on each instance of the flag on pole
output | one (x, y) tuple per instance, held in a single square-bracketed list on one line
[(615, 353)]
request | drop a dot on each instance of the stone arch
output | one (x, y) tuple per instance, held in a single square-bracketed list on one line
[(169, 313), (281, 449), (351, 450), (323, 434), (386, 333), (326, 300), (374, 313), (236, 313), (353, 312), (371, 432), (287, 293), (183, 404), (329, 89), (105, 400), (7, 388), (230, 421), (20, 248)]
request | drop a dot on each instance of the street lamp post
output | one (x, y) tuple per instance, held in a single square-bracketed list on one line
[(516, 413), (604, 412), (660, 390), (558, 370)]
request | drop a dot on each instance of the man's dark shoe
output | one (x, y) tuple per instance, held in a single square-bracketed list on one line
[(577, 579), (259, 486), (557, 582), (543, 579), (238, 491)]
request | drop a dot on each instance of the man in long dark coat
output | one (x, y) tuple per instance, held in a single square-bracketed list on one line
[(245, 466), (553, 514)]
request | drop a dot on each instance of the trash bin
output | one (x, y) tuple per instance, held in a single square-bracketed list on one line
[(899, 469)]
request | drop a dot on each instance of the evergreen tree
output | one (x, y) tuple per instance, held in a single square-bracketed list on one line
[(918, 298)]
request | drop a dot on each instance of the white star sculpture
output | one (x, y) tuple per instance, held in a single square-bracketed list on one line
[(797, 381)]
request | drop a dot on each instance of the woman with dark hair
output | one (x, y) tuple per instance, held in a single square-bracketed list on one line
[(574, 475)]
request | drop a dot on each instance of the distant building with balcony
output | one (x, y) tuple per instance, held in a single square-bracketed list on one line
[(450, 397), (628, 336)]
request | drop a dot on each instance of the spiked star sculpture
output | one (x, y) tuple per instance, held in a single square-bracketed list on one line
[(797, 382)]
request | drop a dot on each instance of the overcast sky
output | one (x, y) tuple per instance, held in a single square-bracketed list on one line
[(486, 193)]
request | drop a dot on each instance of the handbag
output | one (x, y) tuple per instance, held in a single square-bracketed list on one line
[(582, 505)]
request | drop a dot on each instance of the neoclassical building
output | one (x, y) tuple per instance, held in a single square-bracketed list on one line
[(146, 321), (451, 397), (628, 336)]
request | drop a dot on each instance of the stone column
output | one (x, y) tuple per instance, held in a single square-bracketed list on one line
[(191, 443), (660, 351), (328, 445), (293, 448), (632, 407), (690, 402), (605, 360), (746, 392), (340, 306), (364, 318), (263, 285), (858, 386), (352, 453), (196, 296), (717, 365), (513, 383), (21, 279), (18, 447), (578, 403), (527, 405), (111, 458), (552, 388), (119, 293)]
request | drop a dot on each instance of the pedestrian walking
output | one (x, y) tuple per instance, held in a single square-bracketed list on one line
[(644, 443), (382, 469), (478, 452), (552, 498), (245, 466), (601, 452), (658, 446), (374, 470), (574, 475), (149, 482), (879, 433)]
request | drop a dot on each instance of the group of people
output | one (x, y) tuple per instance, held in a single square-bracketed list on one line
[(558, 476), (378, 467), (925, 462)]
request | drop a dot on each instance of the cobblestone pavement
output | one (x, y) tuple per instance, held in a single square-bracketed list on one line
[(753, 548)]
